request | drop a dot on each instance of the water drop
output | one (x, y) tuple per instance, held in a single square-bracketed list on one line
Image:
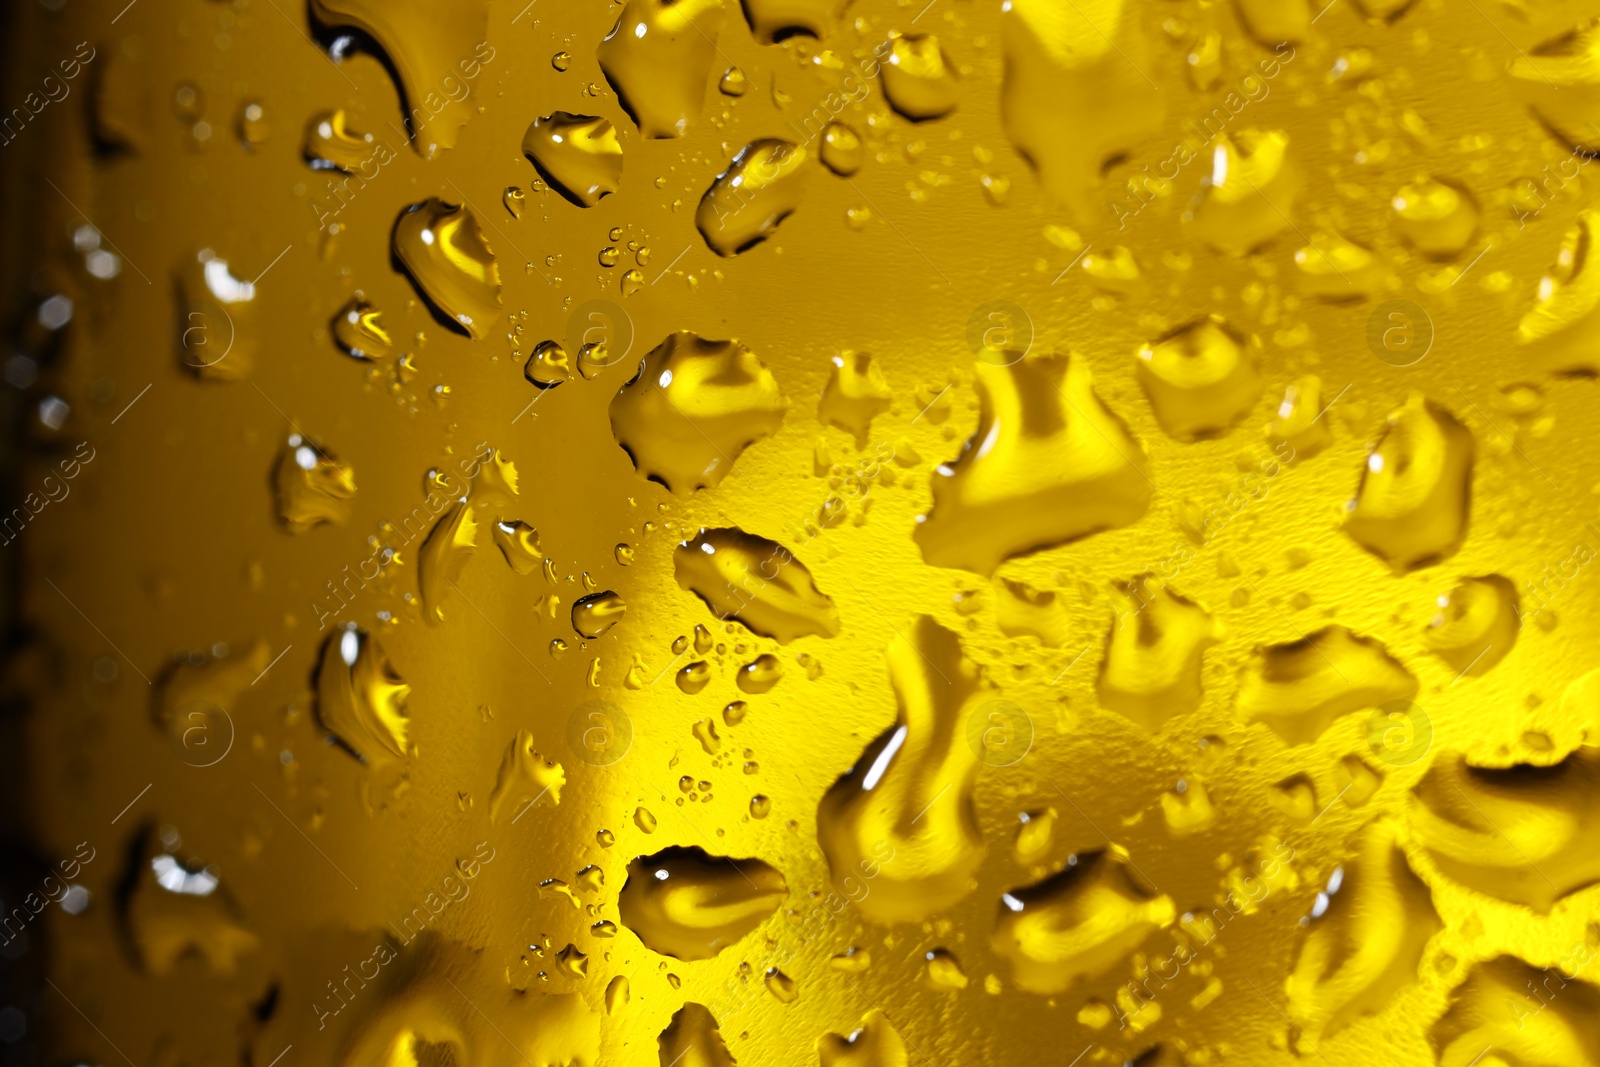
[(745, 203), (450, 263), (693, 407), (688, 904)]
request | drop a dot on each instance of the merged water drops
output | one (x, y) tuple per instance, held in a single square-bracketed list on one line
[(762, 186), (1524, 1014), (171, 909), (1048, 464), (777, 20), (693, 1039), (1525, 833), (444, 553), (692, 408), (903, 818), (435, 1005), (451, 264), (1363, 940), (579, 155), (686, 903), (1558, 326), (1559, 79)]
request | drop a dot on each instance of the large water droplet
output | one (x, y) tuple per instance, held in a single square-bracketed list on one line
[(438, 55), (1560, 323), (1201, 379), (1154, 653), (579, 155), (359, 331), (903, 817), (777, 20), (1078, 923), (1414, 498), (1299, 688), (841, 150), (756, 582), (1075, 95), (745, 203), (596, 613), (216, 319), (445, 253), (445, 551), (330, 143), (917, 79), (1476, 626), (1560, 80), (684, 902), (1437, 218), (1526, 833), (1049, 463), (361, 699), (1274, 22), (1363, 941), (692, 408), (658, 58), (519, 544), (171, 910), (1249, 196), (1510, 1012)]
